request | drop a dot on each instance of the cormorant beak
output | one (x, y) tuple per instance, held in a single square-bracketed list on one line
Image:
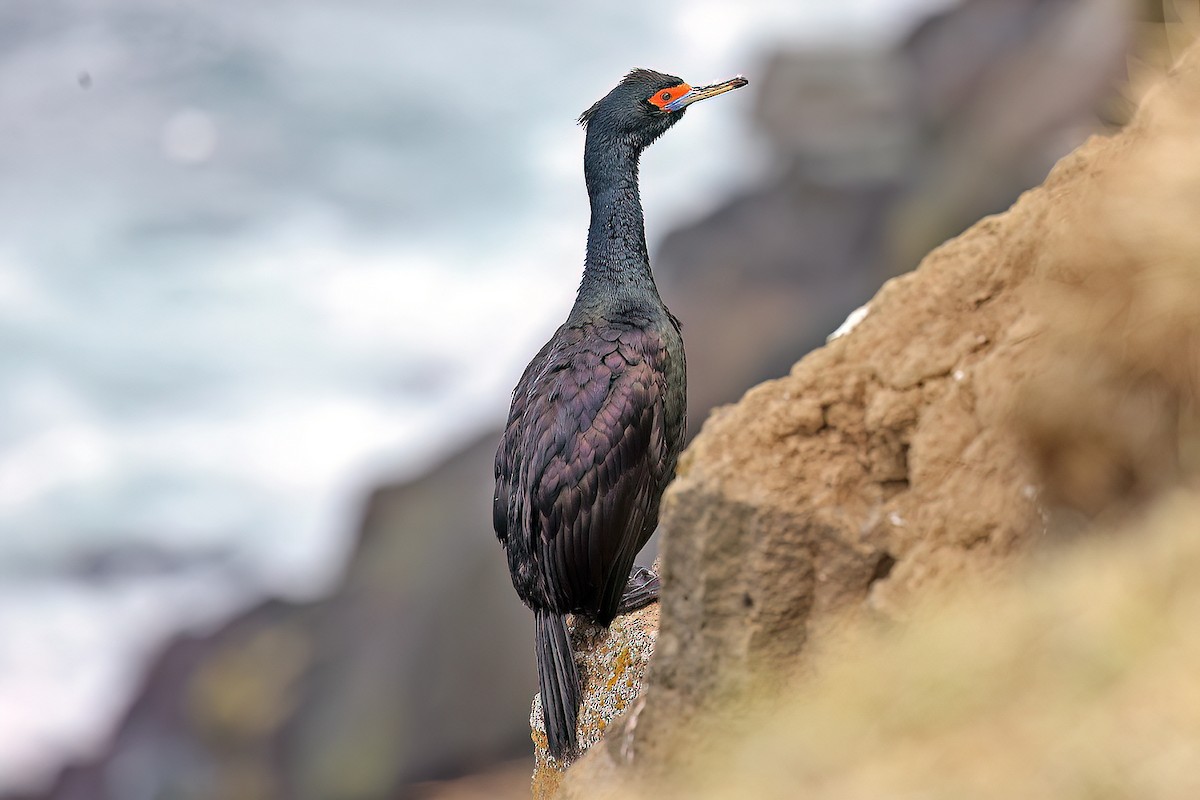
[(705, 92)]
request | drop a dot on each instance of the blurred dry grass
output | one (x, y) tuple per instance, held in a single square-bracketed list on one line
[(1076, 680)]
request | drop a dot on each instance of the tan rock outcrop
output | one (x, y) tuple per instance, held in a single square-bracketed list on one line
[(1071, 681), (1047, 354), (881, 463)]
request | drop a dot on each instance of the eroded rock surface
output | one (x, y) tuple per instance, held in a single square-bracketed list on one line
[(881, 463), (917, 448)]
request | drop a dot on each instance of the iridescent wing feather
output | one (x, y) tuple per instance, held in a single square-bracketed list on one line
[(581, 465)]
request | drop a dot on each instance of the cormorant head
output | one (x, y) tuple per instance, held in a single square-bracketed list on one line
[(644, 104)]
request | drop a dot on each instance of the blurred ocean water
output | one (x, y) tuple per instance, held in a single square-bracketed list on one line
[(255, 257)]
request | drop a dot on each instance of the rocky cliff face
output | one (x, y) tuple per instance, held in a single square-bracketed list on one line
[(897, 458), (1033, 373)]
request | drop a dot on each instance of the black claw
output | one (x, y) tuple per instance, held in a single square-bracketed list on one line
[(642, 590)]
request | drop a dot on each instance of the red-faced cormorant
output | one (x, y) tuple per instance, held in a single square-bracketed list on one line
[(597, 419)]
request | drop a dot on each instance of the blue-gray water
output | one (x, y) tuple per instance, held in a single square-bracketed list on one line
[(256, 256)]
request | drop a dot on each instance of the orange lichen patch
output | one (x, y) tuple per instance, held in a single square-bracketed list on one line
[(545, 783), (665, 96), (619, 668)]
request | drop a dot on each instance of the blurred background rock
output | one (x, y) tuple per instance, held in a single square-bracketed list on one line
[(881, 155), (415, 667)]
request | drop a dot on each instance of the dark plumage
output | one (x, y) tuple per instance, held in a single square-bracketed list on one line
[(597, 419)]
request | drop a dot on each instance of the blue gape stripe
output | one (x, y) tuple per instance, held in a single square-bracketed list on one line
[(679, 102)]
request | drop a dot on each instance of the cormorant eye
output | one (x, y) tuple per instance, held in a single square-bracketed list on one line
[(664, 99)]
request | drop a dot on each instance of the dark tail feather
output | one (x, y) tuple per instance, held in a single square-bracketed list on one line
[(558, 682)]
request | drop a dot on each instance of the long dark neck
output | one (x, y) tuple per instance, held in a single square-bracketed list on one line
[(617, 268)]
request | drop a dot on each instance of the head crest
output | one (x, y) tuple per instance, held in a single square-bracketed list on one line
[(586, 116), (638, 75)]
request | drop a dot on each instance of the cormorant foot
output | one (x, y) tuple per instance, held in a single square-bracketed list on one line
[(642, 590)]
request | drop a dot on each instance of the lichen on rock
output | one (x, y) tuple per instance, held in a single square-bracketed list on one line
[(611, 665)]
